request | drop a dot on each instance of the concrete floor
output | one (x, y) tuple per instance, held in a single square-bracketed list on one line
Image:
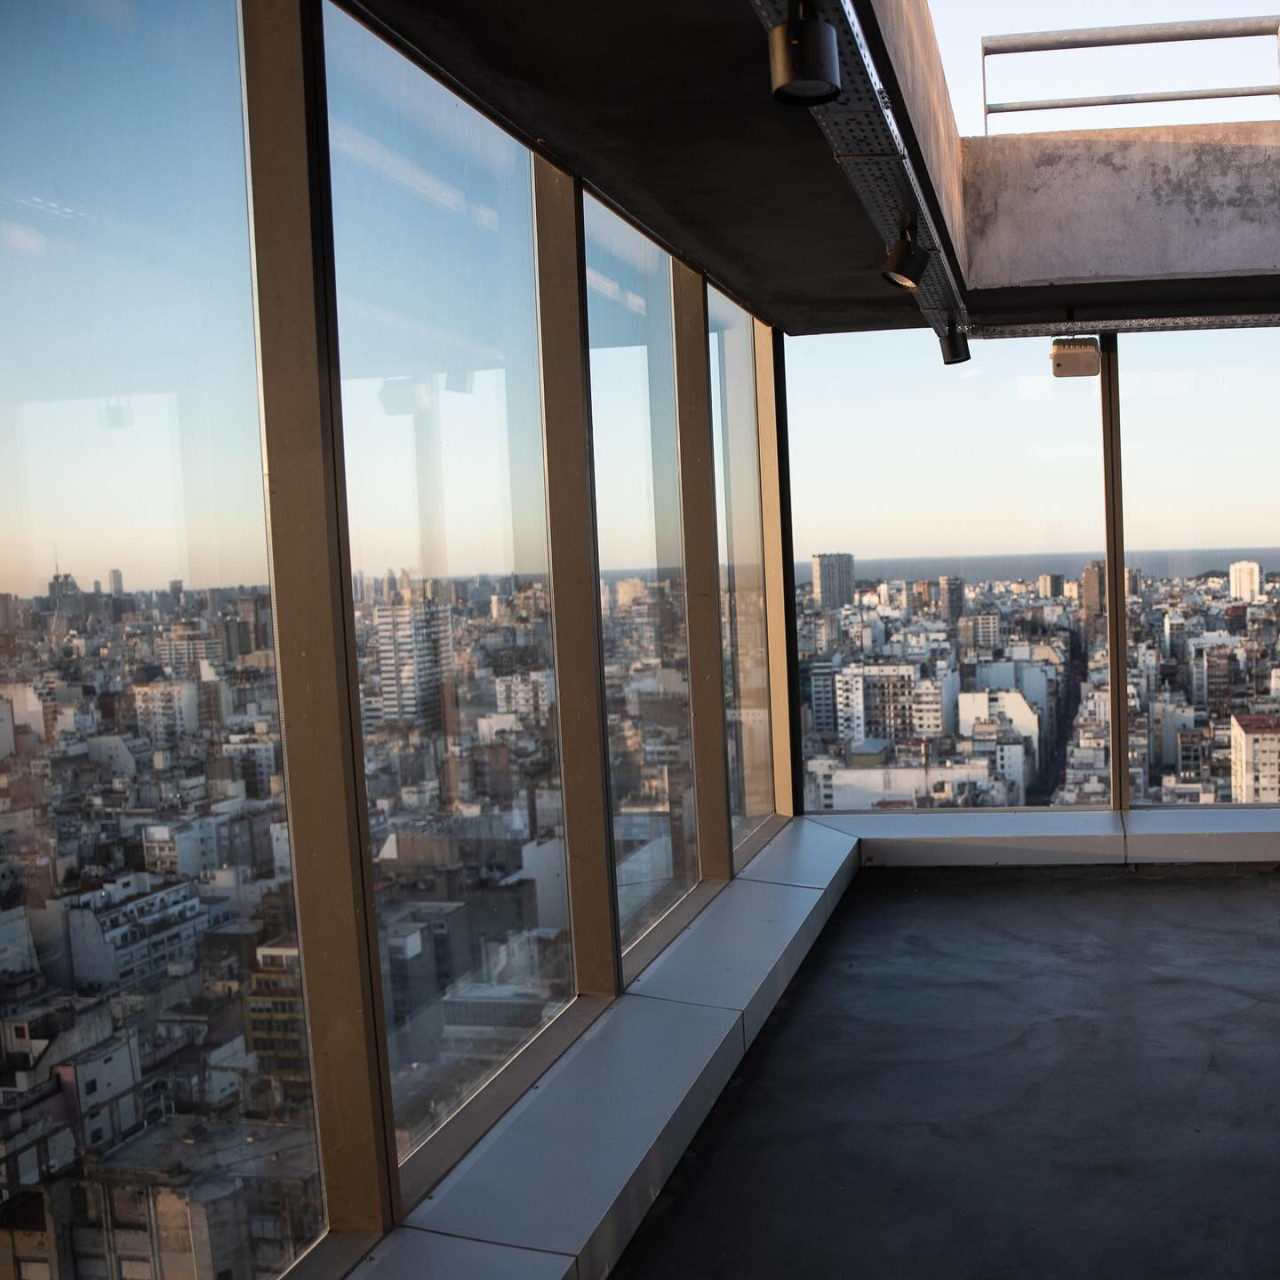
[(978, 1076)]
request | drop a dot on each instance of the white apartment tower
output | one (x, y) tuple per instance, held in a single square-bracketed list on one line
[(415, 653), (832, 580), (1255, 759), (1245, 577)]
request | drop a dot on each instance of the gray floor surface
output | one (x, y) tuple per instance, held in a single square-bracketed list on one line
[(998, 1076)]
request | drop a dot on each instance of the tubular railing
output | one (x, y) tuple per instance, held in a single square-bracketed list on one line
[(1110, 37)]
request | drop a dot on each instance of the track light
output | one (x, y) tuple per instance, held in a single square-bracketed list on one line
[(906, 262), (804, 60), (954, 344)]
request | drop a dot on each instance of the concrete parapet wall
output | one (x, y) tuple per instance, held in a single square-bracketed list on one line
[(1179, 202)]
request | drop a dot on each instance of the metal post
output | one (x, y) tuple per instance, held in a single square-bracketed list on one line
[(779, 576), (1117, 601), (287, 148), (986, 114), (575, 579), (701, 572)]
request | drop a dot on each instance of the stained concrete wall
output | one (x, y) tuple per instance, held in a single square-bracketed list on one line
[(1178, 202), (907, 31)]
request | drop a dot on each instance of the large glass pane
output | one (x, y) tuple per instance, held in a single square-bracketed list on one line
[(642, 604), (742, 619), (433, 238), (154, 1079), (1201, 561), (951, 603)]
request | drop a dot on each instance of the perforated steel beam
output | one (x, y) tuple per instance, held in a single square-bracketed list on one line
[(867, 142)]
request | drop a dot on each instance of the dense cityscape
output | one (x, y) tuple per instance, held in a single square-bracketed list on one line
[(154, 1079), (942, 693)]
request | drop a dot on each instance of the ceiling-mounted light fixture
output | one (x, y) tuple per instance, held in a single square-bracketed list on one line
[(1075, 358), (954, 344), (906, 262), (804, 59)]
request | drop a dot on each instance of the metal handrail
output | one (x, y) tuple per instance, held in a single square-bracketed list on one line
[(1108, 37)]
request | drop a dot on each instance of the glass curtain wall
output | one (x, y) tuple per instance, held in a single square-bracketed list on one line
[(156, 1088), (1202, 565), (642, 597), (951, 602), (433, 243), (744, 640)]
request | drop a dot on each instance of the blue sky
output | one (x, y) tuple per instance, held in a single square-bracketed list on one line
[(129, 429)]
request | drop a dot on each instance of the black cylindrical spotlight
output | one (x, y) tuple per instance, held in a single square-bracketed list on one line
[(954, 344), (906, 262), (804, 60)]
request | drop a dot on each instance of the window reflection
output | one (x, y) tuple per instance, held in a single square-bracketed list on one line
[(742, 615), (154, 1071), (641, 568), (433, 232)]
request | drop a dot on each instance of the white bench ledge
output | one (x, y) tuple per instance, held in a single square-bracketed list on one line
[(1203, 833), (573, 1167), (961, 838), (569, 1172), (741, 952), (808, 854), (408, 1254)]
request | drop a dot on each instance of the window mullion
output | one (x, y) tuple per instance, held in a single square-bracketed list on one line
[(702, 572), (779, 574), (301, 430), (575, 579)]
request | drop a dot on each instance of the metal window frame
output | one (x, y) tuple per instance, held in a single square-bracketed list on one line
[(779, 570), (293, 295), (1117, 601), (701, 584), (701, 572), (366, 1189)]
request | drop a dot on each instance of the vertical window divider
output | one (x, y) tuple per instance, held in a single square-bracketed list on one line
[(575, 578), (290, 232), (779, 572), (701, 572), (1117, 603)]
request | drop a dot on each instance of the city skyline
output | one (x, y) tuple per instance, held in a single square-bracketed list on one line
[(76, 240)]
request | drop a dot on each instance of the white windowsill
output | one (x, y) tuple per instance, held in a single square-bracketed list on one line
[(557, 1188)]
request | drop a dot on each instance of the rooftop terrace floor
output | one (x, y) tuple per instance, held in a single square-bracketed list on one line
[(1002, 1075)]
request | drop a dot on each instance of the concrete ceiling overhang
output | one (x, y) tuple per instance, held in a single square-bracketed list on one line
[(664, 108)]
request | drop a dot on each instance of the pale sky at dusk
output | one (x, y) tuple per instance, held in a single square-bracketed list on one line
[(129, 435)]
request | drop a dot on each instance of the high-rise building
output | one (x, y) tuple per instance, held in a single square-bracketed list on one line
[(1255, 759), (1245, 580), (275, 1026), (822, 698), (876, 701), (1050, 586), (117, 583), (980, 631), (415, 652), (951, 598), (832, 579), (166, 710), (1093, 589)]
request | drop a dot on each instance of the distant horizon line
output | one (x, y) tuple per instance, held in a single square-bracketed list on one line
[(1009, 555), (1256, 553)]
